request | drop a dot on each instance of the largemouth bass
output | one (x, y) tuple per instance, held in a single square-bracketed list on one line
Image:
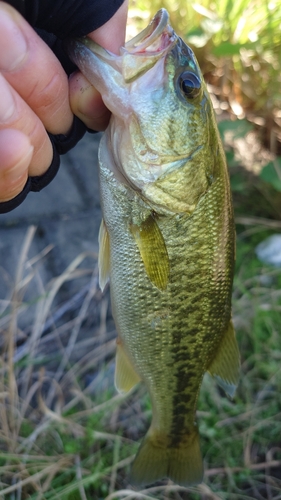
[(167, 238)]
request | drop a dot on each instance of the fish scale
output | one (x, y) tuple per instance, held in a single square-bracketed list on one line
[(167, 239), (188, 331)]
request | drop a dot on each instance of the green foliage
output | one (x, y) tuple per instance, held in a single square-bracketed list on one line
[(271, 173), (252, 420), (228, 49), (239, 42), (236, 128)]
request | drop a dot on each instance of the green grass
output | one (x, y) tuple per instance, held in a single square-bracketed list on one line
[(61, 438)]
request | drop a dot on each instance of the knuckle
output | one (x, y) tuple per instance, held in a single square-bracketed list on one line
[(48, 92), (11, 186)]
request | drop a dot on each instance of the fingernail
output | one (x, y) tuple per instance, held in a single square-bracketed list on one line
[(13, 43), (7, 104)]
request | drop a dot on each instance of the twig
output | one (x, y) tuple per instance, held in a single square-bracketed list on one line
[(79, 478), (71, 304), (260, 466), (60, 464), (12, 384), (258, 221), (129, 494), (116, 451)]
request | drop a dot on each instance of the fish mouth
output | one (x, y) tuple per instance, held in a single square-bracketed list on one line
[(138, 54), (154, 38), (148, 47)]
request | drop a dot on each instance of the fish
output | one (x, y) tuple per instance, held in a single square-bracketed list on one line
[(167, 238)]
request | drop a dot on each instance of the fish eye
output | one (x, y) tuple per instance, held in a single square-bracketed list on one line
[(190, 84)]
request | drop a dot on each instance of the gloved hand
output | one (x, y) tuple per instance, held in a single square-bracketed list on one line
[(38, 102)]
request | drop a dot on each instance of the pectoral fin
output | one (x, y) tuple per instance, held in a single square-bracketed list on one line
[(153, 251), (225, 367), (125, 376), (103, 260)]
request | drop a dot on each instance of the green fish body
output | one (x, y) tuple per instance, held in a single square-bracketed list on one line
[(167, 239)]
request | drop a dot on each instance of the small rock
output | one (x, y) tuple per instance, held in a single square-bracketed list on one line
[(269, 250)]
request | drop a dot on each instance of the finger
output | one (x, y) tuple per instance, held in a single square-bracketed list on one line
[(16, 153), (111, 35), (85, 100), (15, 114), (33, 71), (86, 103)]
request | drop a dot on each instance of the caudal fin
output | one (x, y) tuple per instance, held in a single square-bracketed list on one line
[(181, 463)]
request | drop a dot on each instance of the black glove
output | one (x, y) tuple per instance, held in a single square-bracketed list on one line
[(55, 20)]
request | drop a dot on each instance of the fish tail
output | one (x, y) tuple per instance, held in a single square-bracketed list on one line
[(182, 462)]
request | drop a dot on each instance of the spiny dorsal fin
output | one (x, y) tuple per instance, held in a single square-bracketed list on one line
[(153, 251), (103, 261), (226, 365), (125, 376)]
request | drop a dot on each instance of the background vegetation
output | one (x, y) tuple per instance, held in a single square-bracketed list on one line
[(64, 432)]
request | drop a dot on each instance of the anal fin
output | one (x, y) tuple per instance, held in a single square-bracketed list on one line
[(104, 252), (153, 251), (225, 366), (125, 376)]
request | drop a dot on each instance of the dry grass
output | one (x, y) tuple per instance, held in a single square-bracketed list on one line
[(66, 434), (42, 377)]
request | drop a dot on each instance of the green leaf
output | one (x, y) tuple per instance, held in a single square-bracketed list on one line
[(212, 26), (197, 37), (227, 49), (230, 158), (196, 31), (238, 183), (238, 128), (271, 173)]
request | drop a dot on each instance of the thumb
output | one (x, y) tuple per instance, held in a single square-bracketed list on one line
[(16, 154), (85, 100)]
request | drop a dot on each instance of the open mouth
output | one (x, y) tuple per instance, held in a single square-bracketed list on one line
[(155, 38)]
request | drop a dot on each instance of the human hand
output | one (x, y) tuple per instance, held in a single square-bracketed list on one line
[(35, 92), (86, 102)]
